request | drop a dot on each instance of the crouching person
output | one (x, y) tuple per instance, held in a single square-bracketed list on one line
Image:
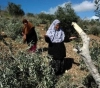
[(29, 35)]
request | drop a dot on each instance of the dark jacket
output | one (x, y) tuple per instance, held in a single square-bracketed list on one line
[(56, 50), (31, 37)]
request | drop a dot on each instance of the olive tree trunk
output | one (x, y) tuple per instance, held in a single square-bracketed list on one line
[(84, 53)]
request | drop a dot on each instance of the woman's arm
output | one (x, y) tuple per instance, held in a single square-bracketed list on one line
[(47, 39)]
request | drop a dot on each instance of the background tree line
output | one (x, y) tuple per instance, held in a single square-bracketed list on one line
[(65, 14)]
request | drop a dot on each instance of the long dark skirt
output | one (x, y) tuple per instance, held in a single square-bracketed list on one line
[(58, 66), (58, 52)]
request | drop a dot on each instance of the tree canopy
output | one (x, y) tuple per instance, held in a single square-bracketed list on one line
[(67, 15), (97, 10), (14, 9)]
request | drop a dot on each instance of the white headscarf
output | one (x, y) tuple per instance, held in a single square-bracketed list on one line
[(56, 36)]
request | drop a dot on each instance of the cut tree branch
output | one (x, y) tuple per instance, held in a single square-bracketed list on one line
[(84, 53)]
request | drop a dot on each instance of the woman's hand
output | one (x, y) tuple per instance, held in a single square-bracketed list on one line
[(24, 38), (45, 36), (22, 33), (72, 37)]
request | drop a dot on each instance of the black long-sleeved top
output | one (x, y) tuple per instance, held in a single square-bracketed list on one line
[(56, 50), (31, 37)]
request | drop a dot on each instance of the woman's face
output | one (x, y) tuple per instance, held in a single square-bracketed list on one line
[(25, 24), (57, 26)]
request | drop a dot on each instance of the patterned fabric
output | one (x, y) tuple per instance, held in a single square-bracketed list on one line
[(58, 66), (56, 36)]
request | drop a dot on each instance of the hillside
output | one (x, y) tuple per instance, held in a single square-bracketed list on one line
[(72, 58)]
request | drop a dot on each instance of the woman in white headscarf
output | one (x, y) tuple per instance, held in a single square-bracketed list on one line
[(56, 48), (55, 38)]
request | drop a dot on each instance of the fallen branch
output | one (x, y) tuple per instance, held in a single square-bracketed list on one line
[(84, 52)]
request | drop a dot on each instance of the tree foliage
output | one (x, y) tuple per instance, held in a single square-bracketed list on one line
[(30, 14), (14, 9), (45, 16), (97, 10), (66, 15)]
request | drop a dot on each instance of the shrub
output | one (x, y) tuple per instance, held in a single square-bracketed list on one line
[(94, 30), (26, 71)]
